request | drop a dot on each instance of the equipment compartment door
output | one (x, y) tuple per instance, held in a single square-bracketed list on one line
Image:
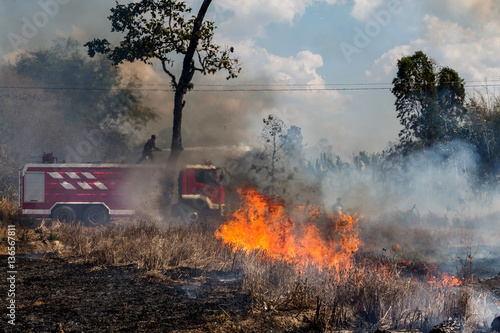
[(34, 187)]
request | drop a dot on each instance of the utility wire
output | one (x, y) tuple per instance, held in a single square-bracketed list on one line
[(244, 87)]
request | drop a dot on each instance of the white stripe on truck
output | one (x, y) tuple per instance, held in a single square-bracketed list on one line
[(85, 185), (88, 175), (36, 211), (100, 185), (72, 175), (68, 186), (55, 175)]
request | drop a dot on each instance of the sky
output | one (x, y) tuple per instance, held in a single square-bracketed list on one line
[(322, 65)]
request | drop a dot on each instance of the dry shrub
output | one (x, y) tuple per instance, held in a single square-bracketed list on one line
[(357, 298), (146, 245), (373, 293), (273, 284), (9, 211), (393, 291)]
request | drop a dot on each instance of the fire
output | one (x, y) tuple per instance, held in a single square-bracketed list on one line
[(427, 272), (443, 280), (262, 224)]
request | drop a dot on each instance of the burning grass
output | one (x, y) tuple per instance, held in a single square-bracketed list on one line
[(362, 298), (262, 224), (312, 262), (298, 263)]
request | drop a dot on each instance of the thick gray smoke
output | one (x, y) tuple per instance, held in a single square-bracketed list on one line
[(213, 115), (430, 206), (434, 180)]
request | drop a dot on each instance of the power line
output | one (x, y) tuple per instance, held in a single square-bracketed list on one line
[(245, 87), (78, 88), (358, 88), (327, 84), (290, 89)]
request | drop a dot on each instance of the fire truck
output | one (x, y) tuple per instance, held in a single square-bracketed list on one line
[(94, 193)]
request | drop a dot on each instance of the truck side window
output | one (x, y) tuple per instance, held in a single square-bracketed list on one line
[(207, 177), (34, 186)]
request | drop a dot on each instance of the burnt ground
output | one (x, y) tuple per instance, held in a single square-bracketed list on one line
[(52, 292), (83, 298)]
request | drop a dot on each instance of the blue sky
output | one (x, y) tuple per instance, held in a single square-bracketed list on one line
[(296, 43)]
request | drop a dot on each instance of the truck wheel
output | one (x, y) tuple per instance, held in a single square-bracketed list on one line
[(96, 215), (64, 214), (193, 216)]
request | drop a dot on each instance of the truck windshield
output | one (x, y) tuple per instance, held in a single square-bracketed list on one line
[(207, 177)]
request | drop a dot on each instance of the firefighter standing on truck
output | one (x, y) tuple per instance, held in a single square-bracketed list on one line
[(148, 149)]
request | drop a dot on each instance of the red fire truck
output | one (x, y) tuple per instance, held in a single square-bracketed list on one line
[(94, 193)]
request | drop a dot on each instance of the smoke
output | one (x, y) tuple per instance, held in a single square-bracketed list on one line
[(438, 181), (213, 115), (433, 180), (221, 117), (431, 204), (428, 206), (35, 24)]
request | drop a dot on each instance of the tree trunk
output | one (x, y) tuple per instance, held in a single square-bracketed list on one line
[(176, 144), (273, 157), (181, 89)]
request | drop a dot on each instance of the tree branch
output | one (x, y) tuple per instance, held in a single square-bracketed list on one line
[(202, 62), (188, 66), (172, 76)]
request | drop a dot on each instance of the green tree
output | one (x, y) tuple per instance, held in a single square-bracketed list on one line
[(94, 98), (429, 103), (159, 29), (451, 100), (59, 100), (483, 121)]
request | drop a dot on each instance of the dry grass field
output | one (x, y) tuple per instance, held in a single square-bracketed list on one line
[(166, 277)]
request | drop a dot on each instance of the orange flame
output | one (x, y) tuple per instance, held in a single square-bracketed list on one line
[(262, 224), (443, 280)]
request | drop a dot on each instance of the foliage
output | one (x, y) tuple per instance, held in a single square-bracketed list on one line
[(363, 160), (8, 171), (92, 99), (63, 102), (146, 245), (429, 102), (483, 121), (9, 210), (292, 140), (159, 30)]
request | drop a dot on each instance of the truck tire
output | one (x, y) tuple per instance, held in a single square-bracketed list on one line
[(64, 214), (95, 215), (193, 216)]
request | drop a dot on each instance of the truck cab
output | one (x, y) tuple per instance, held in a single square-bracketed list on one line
[(200, 191)]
